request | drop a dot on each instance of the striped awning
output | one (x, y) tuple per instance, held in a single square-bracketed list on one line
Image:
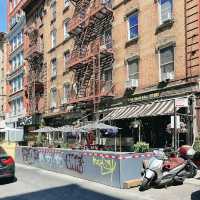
[(144, 110), (46, 129)]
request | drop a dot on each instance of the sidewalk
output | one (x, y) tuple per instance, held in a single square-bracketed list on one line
[(195, 180)]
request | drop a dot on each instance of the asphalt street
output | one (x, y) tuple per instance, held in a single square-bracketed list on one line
[(37, 184)]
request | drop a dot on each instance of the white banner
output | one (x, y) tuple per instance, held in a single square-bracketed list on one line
[(181, 102)]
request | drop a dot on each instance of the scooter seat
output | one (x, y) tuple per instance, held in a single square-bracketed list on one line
[(171, 163)]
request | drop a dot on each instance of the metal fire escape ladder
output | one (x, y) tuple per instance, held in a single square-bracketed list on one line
[(86, 57)]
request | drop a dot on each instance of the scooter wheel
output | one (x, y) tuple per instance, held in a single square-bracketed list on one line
[(193, 172), (145, 185)]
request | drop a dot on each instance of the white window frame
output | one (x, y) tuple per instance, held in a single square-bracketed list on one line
[(160, 14), (53, 10), (129, 61), (65, 62), (66, 34), (53, 67), (66, 98), (53, 38), (53, 99), (66, 3), (159, 59), (134, 13)]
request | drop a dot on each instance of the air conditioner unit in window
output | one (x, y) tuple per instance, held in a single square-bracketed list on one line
[(132, 83), (167, 76)]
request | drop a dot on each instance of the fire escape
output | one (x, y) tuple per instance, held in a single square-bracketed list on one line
[(34, 82), (92, 55)]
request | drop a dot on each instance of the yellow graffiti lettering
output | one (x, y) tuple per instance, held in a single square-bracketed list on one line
[(107, 166)]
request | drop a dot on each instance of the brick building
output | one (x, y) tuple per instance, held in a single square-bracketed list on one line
[(3, 61), (35, 69), (122, 62), (15, 108), (154, 72)]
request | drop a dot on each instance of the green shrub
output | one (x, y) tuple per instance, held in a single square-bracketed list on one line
[(40, 139), (197, 144), (140, 147), (64, 145)]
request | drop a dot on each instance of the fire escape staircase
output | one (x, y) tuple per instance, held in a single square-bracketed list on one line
[(86, 59)]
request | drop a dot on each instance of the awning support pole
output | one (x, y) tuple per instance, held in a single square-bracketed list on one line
[(175, 129)]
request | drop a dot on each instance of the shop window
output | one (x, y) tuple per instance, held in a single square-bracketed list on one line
[(133, 26), (165, 10), (167, 63)]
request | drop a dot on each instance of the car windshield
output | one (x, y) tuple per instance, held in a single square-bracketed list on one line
[(2, 152)]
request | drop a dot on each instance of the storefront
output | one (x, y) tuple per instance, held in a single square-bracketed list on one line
[(153, 122)]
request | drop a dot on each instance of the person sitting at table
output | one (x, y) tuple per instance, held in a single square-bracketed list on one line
[(90, 138)]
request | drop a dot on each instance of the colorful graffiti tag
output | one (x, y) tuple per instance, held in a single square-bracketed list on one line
[(30, 155), (107, 166), (75, 162)]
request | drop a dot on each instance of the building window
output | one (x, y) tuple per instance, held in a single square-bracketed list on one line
[(17, 106), (17, 84), (167, 63), (133, 70), (53, 10), (17, 61), (10, 5), (53, 103), (66, 59), (66, 92), (165, 10), (53, 38), (66, 3), (53, 68), (133, 73), (66, 34), (106, 38), (13, 64), (133, 26), (107, 77)]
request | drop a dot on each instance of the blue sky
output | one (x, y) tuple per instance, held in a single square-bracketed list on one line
[(2, 15)]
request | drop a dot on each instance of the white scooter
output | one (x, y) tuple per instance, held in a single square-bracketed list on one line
[(162, 171)]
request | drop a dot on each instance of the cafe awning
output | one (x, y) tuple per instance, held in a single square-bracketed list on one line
[(46, 129), (99, 125), (144, 110)]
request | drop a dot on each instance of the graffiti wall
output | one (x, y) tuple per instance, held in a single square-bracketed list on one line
[(108, 168)]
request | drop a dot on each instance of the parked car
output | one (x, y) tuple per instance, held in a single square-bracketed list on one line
[(7, 165)]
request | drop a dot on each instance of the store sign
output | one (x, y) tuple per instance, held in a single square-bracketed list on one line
[(25, 121), (181, 102), (178, 122)]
